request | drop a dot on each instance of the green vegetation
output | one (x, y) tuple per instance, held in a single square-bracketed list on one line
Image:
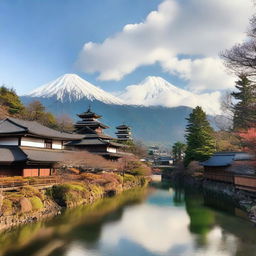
[(9, 99), (199, 135), (178, 150), (11, 105), (36, 202), (244, 109), (137, 168)]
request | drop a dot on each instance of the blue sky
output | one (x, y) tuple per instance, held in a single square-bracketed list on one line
[(180, 41), (41, 39)]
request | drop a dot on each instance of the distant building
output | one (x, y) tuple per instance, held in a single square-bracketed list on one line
[(153, 150), (164, 161), (124, 133), (94, 140), (224, 166), (28, 148)]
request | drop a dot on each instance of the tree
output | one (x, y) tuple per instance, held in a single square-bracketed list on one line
[(10, 100), (199, 136), (248, 138), (241, 58), (178, 150), (35, 111), (65, 123), (245, 108)]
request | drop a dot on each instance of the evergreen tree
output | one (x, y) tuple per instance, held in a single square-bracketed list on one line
[(199, 135), (245, 108)]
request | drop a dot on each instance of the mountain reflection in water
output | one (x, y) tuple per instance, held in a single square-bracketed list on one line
[(146, 222)]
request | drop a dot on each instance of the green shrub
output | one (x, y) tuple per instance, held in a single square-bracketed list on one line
[(7, 208), (29, 191), (36, 202)]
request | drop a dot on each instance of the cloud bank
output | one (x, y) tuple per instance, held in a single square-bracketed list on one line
[(183, 37)]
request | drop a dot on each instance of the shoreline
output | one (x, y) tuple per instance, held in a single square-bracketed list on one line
[(54, 204), (240, 198)]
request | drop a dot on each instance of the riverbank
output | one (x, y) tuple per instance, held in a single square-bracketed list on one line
[(241, 199), (30, 205)]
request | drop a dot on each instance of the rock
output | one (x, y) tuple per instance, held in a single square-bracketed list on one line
[(25, 205)]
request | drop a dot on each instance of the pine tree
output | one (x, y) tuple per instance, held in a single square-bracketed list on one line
[(199, 135), (245, 108)]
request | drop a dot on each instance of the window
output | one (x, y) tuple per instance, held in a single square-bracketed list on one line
[(48, 143)]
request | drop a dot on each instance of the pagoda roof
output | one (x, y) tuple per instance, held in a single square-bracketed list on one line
[(88, 114), (14, 126), (90, 123), (123, 126)]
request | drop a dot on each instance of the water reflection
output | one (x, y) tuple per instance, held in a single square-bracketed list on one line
[(159, 221)]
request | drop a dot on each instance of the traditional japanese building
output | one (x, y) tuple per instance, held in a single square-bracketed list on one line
[(28, 148), (124, 133), (224, 166), (94, 140)]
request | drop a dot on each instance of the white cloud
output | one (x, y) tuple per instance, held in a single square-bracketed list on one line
[(196, 29)]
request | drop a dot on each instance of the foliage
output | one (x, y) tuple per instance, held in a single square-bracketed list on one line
[(7, 208), (29, 191), (36, 203), (137, 168), (227, 141), (199, 135), (178, 150), (35, 111), (248, 138), (68, 194), (65, 123), (9, 99), (245, 108)]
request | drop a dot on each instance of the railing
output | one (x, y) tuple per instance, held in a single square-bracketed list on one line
[(6, 184)]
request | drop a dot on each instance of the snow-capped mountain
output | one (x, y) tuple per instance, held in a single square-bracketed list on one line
[(71, 88), (155, 91)]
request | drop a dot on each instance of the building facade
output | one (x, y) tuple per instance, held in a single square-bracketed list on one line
[(28, 148)]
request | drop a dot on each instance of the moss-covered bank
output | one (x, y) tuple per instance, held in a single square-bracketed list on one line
[(29, 204)]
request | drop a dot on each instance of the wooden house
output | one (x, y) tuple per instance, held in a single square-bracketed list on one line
[(28, 148), (237, 168), (94, 140)]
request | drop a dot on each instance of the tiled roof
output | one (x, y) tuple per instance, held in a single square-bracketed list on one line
[(10, 154), (87, 142), (219, 160), (38, 155), (18, 126)]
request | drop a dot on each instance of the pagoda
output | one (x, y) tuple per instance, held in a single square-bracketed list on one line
[(124, 133), (94, 140), (89, 120)]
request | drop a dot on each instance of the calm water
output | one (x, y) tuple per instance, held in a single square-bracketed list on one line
[(157, 221)]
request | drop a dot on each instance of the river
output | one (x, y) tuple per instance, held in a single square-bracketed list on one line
[(159, 220)]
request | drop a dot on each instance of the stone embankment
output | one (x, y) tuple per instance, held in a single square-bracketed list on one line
[(240, 198), (29, 204)]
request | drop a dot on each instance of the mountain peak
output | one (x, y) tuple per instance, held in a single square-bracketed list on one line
[(71, 87), (155, 91)]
